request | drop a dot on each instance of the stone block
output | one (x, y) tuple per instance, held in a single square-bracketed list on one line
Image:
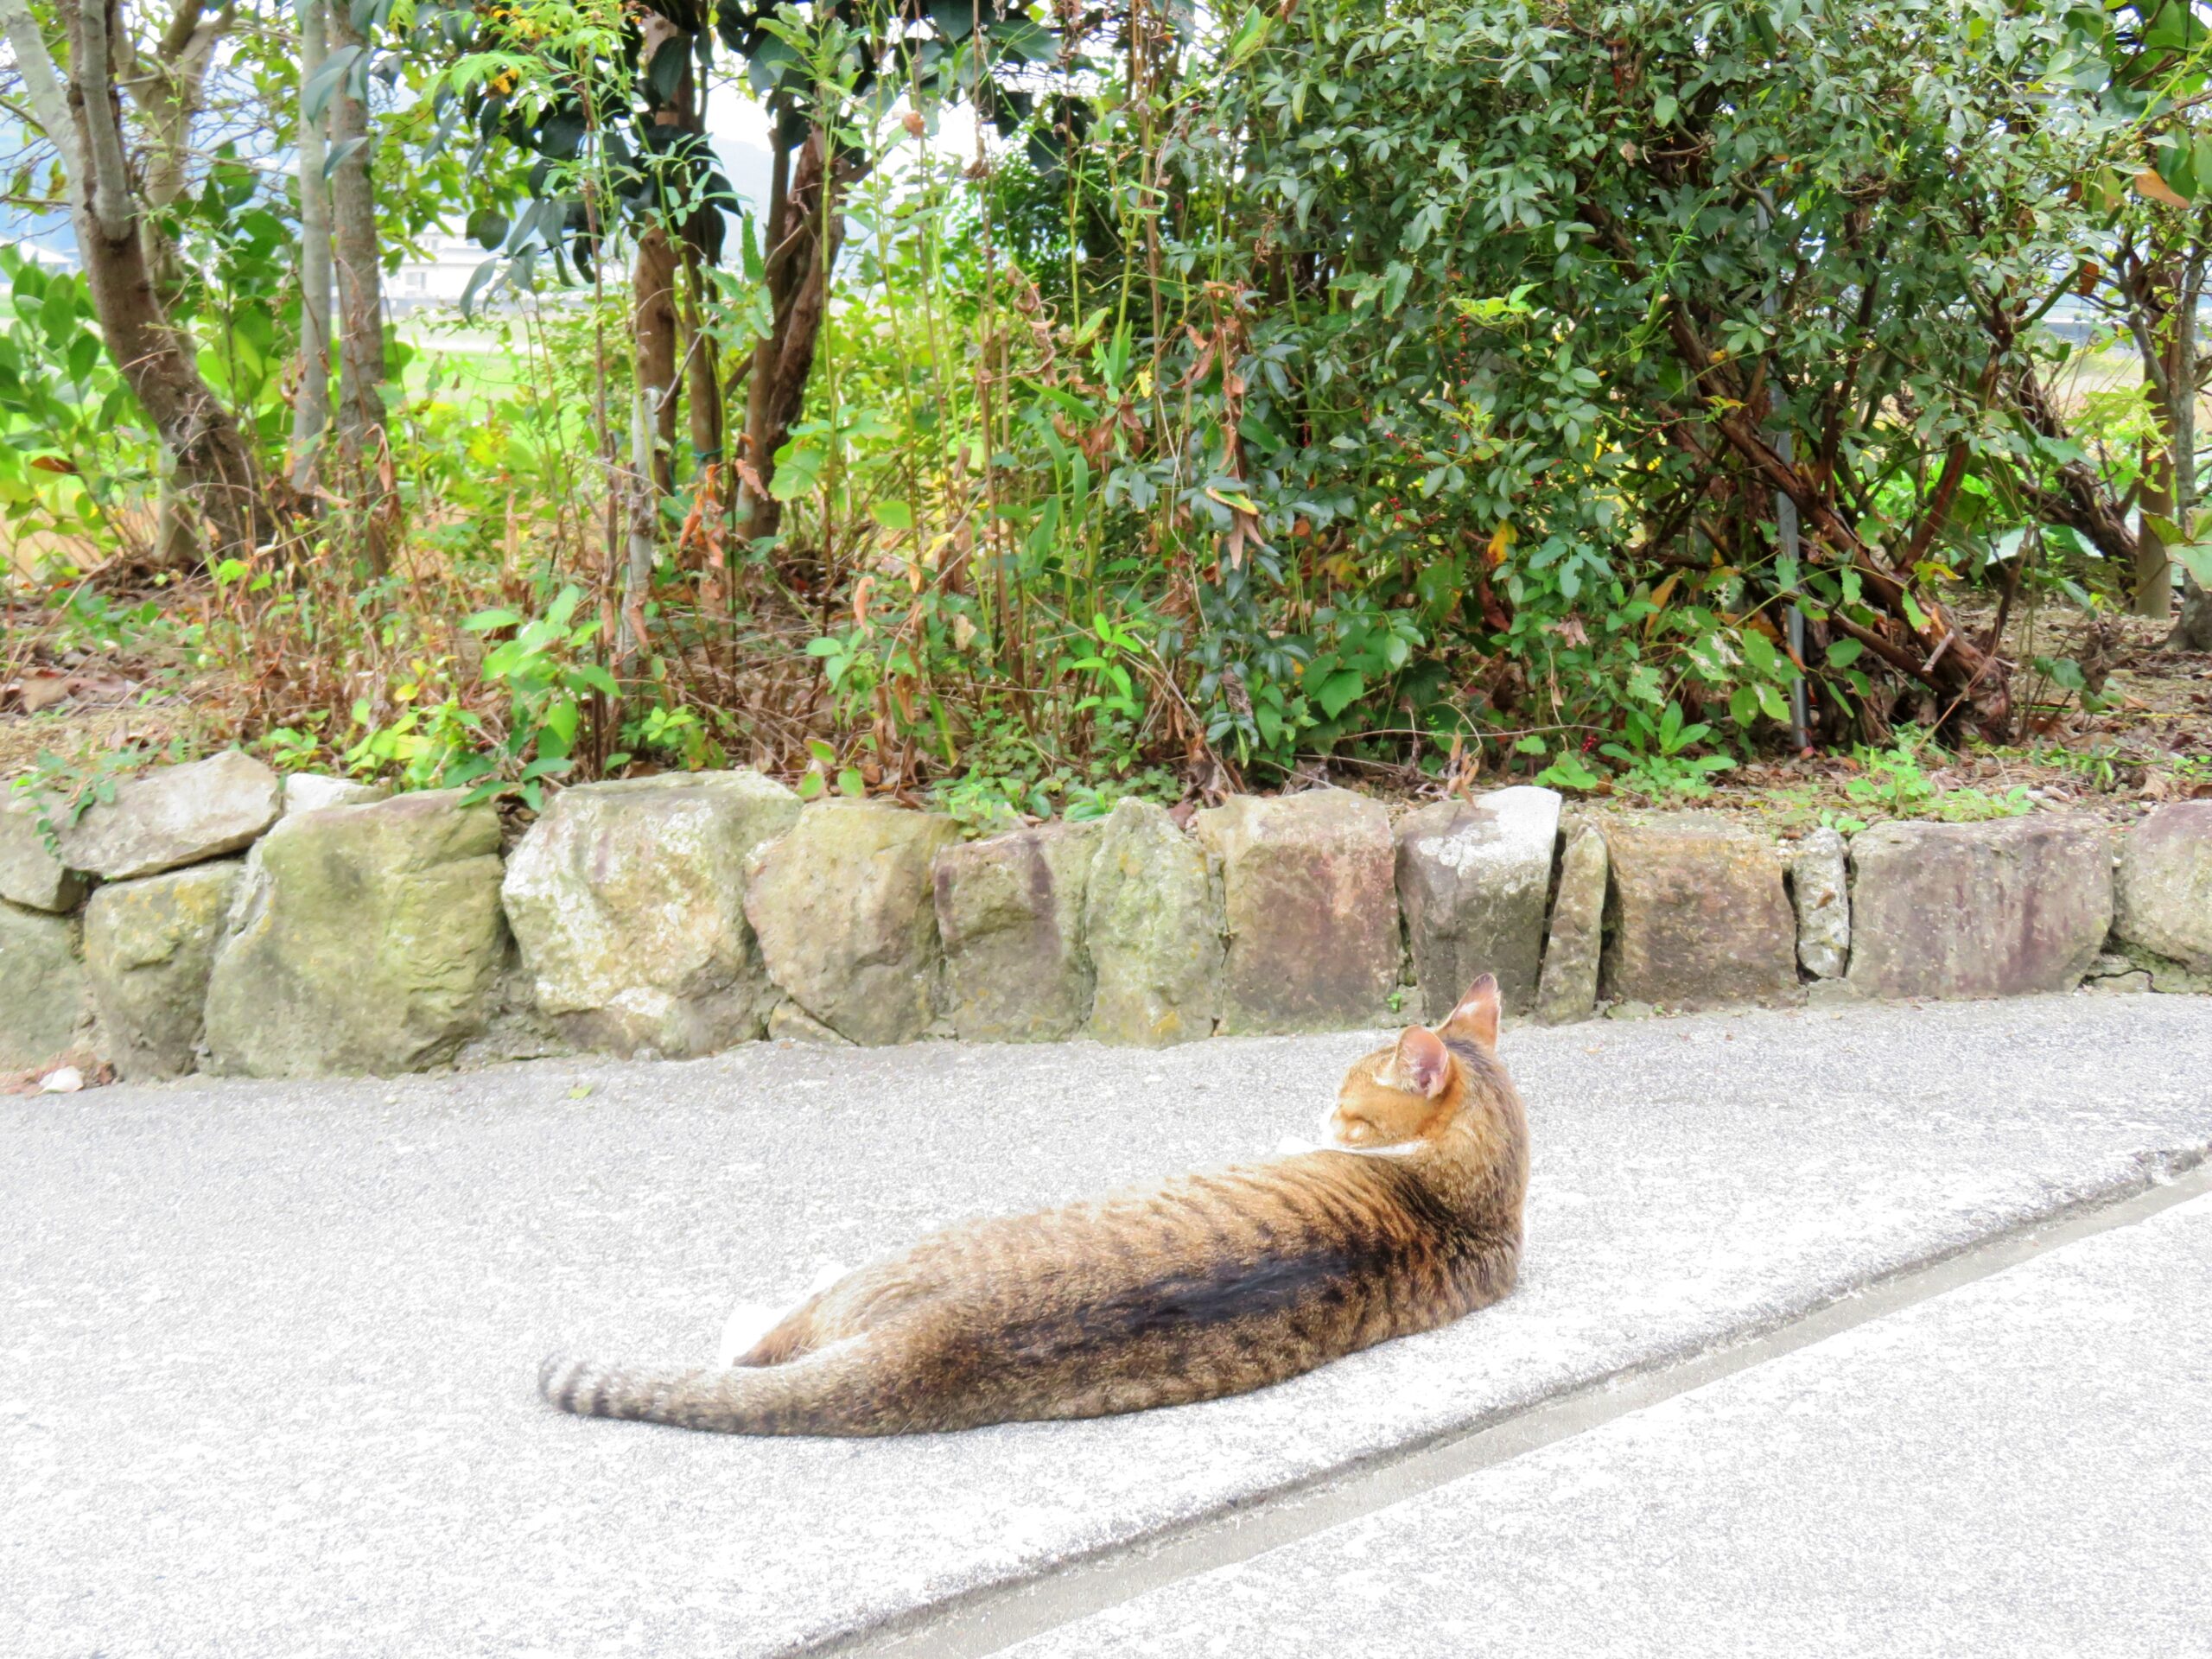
[(30, 874), (150, 947), (1309, 890), (844, 910), (1473, 877), (175, 816), (2162, 895), (1965, 909), (43, 1001), (788, 1023), (1568, 989), (1153, 924), (363, 939), (1699, 915), (1009, 910), (1819, 888), (628, 902), (309, 792)]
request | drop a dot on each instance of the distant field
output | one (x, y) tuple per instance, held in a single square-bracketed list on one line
[(465, 359)]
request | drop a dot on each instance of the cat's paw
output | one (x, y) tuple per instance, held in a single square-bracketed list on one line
[(748, 1323)]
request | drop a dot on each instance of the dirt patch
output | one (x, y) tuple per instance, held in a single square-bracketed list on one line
[(114, 678)]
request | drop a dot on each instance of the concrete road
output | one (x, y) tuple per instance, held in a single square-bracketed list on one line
[(2018, 1466), (267, 1351)]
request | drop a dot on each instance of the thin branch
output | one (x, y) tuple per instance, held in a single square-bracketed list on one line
[(49, 108)]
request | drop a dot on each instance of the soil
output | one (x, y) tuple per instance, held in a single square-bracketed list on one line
[(79, 692)]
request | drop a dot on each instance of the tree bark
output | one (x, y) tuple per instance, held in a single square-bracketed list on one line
[(702, 399), (653, 308), (169, 90), (212, 463), (804, 238), (361, 371), (652, 295), (2193, 630), (311, 407)]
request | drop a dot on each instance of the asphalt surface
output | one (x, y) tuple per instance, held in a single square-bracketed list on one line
[(268, 1353)]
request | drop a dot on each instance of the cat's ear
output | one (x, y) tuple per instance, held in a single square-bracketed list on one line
[(1423, 1063), (1476, 1015)]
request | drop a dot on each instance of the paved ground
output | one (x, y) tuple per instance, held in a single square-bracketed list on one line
[(266, 1351), (2016, 1467)]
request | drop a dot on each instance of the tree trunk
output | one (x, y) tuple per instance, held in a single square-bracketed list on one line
[(2153, 574), (653, 311), (2193, 630), (361, 446), (804, 238), (169, 90), (311, 408), (702, 382), (214, 465), (653, 321)]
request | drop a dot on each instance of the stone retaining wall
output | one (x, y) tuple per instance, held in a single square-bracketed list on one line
[(680, 914)]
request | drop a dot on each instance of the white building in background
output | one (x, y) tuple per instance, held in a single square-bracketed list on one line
[(435, 280), (51, 258)]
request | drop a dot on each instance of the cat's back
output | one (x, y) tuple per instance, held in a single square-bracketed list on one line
[(1321, 1232)]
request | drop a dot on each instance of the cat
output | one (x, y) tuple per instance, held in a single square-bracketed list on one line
[(1210, 1285)]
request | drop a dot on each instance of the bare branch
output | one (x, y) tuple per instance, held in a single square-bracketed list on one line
[(49, 108)]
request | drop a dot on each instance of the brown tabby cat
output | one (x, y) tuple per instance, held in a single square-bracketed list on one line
[(1207, 1285)]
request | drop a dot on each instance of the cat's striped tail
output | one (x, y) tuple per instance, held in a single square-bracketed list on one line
[(829, 1391)]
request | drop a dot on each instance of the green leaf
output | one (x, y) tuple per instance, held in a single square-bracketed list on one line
[(810, 786), (893, 515), (1251, 34), (488, 228), (1569, 772), (849, 782), (561, 724), (485, 621), (666, 73), (1743, 705), (1339, 691), (480, 281), (2195, 557), (1842, 653), (338, 155), (315, 96)]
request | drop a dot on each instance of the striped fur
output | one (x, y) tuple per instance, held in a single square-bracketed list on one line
[(1210, 1285)]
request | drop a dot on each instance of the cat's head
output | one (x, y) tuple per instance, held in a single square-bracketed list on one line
[(1413, 1091)]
